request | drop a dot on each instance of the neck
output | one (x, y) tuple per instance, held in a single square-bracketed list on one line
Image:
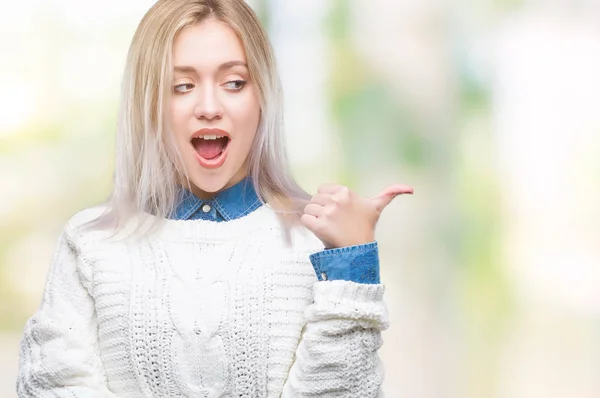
[(204, 195)]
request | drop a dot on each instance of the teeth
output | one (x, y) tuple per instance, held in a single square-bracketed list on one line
[(211, 137)]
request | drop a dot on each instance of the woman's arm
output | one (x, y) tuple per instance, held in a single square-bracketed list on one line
[(59, 348), (337, 354)]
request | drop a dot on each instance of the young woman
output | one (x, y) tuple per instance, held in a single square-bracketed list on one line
[(209, 272)]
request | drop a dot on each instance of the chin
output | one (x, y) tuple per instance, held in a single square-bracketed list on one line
[(209, 184)]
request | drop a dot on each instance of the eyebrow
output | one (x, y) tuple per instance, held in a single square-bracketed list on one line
[(222, 67)]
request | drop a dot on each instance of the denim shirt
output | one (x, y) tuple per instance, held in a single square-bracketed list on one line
[(358, 263)]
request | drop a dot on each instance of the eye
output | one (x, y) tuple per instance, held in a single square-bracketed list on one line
[(235, 85), (183, 87)]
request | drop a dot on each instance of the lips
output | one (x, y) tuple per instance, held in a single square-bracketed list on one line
[(207, 131)]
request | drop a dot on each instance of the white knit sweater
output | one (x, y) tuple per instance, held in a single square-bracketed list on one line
[(200, 309)]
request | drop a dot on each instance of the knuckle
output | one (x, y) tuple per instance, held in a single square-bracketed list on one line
[(305, 220), (329, 210), (340, 198), (322, 187)]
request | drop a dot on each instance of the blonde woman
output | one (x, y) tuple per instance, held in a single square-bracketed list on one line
[(209, 272)]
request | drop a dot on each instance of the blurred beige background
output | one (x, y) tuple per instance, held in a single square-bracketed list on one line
[(490, 109)]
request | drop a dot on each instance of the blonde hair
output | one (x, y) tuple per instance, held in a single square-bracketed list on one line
[(149, 168)]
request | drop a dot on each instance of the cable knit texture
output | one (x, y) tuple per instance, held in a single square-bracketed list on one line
[(200, 309)]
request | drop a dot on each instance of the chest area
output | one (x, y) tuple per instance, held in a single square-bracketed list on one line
[(196, 286), (196, 317)]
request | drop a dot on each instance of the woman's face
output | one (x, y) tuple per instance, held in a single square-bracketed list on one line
[(214, 110)]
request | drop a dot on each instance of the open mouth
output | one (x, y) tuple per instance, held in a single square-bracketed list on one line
[(211, 150), (210, 147)]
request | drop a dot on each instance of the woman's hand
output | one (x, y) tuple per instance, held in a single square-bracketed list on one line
[(340, 217)]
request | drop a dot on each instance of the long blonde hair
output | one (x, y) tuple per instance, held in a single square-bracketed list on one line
[(148, 166)]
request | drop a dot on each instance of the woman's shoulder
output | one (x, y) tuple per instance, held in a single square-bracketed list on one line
[(84, 223), (86, 215)]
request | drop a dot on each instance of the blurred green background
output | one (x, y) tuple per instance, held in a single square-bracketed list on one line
[(490, 109)]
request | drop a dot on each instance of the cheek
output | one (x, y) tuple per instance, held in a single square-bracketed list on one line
[(247, 117), (178, 116)]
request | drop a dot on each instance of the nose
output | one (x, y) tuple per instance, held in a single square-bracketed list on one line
[(208, 105)]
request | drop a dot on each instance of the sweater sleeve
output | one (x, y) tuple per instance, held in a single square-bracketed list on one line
[(59, 348), (337, 354)]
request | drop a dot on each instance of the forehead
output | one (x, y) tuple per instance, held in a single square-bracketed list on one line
[(207, 43)]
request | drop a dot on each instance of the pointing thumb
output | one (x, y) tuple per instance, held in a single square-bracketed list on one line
[(388, 194)]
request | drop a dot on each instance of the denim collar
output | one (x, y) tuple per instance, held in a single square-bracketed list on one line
[(234, 202)]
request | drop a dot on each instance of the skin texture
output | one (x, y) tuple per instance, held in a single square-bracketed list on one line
[(206, 95)]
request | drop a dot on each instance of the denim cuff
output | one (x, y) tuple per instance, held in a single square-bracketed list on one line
[(358, 263)]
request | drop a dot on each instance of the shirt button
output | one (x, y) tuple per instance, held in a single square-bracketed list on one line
[(323, 276), (206, 208)]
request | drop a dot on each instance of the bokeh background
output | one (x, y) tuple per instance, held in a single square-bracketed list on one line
[(490, 109)]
